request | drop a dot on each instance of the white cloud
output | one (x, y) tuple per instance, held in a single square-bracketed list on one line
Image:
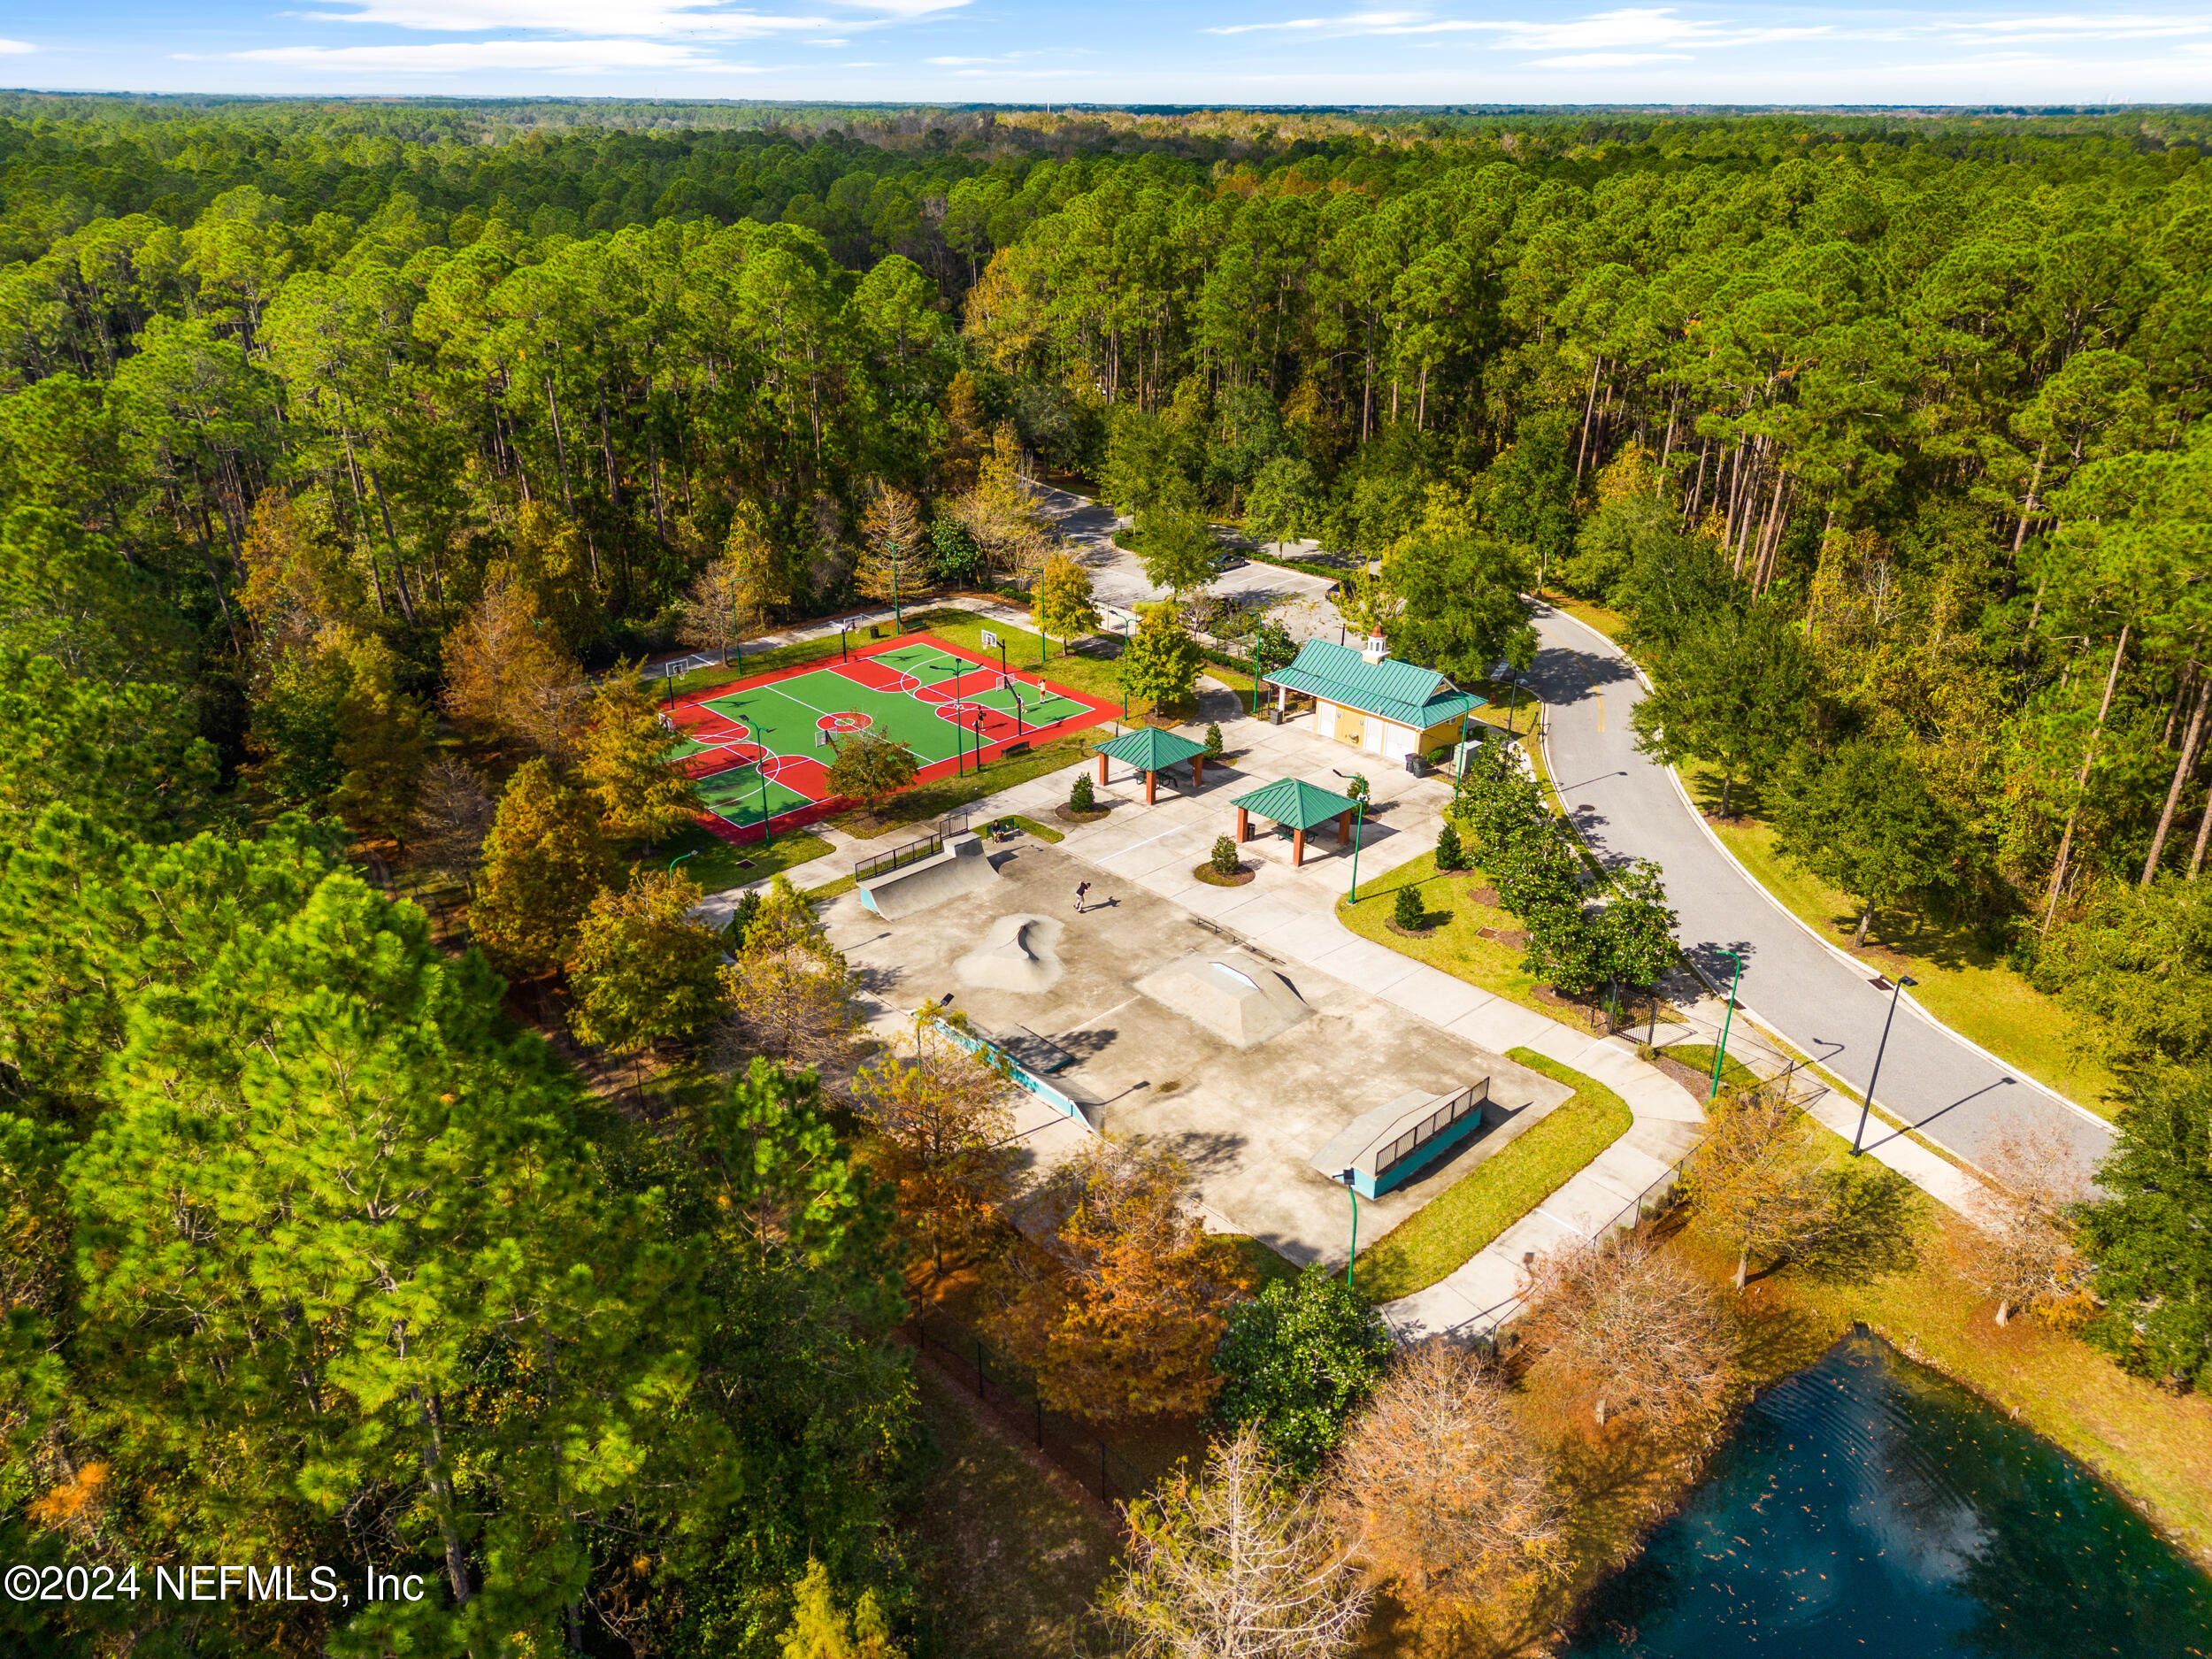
[(1660, 25), (2119, 27), (9, 49), (464, 57)]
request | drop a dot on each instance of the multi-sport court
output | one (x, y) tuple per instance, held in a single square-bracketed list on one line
[(761, 748)]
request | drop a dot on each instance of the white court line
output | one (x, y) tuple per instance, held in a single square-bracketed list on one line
[(1147, 841)]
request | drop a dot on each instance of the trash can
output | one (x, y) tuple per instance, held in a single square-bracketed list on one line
[(1274, 715), (1418, 767)]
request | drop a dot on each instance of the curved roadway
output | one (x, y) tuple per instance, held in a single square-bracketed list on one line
[(1828, 1005)]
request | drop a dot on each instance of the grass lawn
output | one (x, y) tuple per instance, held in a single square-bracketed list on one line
[(1029, 825), (1961, 982), (718, 866), (934, 800), (1456, 946), (1008, 1559), (1609, 623), (1498, 1191), (1262, 1259)]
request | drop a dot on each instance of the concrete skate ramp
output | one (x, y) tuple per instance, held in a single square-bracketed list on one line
[(1019, 954), (1231, 993), (960, 869)]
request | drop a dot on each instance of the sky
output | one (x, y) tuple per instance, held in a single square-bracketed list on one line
[(1120, 51)]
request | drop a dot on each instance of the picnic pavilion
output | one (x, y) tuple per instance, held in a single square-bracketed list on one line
[(1152, 752), (1298, 806)]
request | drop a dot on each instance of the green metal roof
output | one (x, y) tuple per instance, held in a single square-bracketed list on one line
[(1403, 692), (1148, 749), (1296, 802)]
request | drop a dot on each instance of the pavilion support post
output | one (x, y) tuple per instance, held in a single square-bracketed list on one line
[(1198, 771), (1343, 828), (1244, 826), (1297, 848), (1101, 771), (1151, 780)]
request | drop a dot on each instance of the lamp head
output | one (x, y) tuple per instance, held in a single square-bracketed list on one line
[(1345, 1176)]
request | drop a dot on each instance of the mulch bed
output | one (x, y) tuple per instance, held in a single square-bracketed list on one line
[(1213, 877), (1068, 815), (1415, 933), (1699, 1083), (1515, 937), (1487, 897)]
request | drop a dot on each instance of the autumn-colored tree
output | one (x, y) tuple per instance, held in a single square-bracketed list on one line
[(1634, 1324), (644, 971), (721, 606), (300, 587), (551, 558), (2022, 1248), (507, 677), (947, 1136), (1236, 1563), (544, 862), (1115, 1299), (625, 760), (962, 458), (452, 818), (1000, 515), (1452, 1500), (820, 1627), (790, 991), (1062, 604), (868, 767), (895, 555), (1756, 1184), (1160, 663)]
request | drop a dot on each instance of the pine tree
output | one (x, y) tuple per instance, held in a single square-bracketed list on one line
[(544, 862), (624, 761), (1450, 856), (335, 1209), (821, 1629)]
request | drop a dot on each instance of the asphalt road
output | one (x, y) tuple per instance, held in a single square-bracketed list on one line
[(1626, 806), (1300, 599)]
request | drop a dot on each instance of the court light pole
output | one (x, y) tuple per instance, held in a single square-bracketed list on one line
[(1720, 1055), (767, 825), (1866, 1104), (1358, 818), (1352, 1261), (672, 863)]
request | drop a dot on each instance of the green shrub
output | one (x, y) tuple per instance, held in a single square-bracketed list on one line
[(1297, 1362), (1449, 854), (1407, 910), (1213, 741), (1225, 857), (1358, 788), (1079, 796)]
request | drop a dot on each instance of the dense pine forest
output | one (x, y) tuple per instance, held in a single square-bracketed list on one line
[(342, 447)]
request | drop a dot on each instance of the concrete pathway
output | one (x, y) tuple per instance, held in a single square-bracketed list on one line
[(1824, 1002), (1291, 914)]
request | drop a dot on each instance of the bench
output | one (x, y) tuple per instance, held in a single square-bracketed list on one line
[(1021, 747)]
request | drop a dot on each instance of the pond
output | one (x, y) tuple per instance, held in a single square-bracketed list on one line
[(1871, 1506)]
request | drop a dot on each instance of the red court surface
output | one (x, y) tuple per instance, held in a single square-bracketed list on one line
[(758, 745)]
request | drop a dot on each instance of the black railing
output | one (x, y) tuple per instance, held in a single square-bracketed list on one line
[(1013, 1397), (1454, 1107), (910, 853)]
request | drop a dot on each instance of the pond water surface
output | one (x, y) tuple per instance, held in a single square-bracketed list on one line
[(1869, 1506)]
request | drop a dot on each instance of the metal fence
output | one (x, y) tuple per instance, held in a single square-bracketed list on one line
[(914, 851), (1011, 1395)]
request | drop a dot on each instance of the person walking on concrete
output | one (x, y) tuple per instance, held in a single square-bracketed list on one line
[(1082, 890)]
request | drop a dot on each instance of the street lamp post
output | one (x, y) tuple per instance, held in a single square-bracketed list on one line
[(1358, 818), (1720, 1055), (1866, 1105), (672, 863), (1352, 1262), (1124, 676)]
